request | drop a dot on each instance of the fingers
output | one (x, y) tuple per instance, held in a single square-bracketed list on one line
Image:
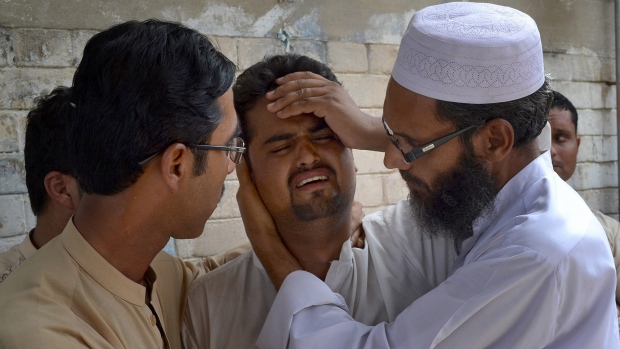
[(243, 173), (358, 237), (357, 213), (305, 75), (299, 96), (248, 199)]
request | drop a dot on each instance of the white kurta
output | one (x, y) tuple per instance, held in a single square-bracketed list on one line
[(228, 306), (537, 273)]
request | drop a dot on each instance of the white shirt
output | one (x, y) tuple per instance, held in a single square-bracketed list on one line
[(537, 273), (228, 306)]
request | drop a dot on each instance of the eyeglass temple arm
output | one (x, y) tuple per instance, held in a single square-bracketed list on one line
[(425, 148)]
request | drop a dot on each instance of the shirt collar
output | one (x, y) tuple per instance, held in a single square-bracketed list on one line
[(26, 248), (346, 255), (100, 269), (507, 196)]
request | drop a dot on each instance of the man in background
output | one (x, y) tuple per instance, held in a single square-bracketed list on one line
[(53, 190), (565, 143)]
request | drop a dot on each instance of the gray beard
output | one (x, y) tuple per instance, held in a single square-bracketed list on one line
[(459, 198)]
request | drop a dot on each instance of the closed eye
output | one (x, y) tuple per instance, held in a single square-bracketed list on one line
[(282, 149), (324, 138)]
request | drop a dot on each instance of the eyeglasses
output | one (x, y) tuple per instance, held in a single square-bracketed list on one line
[(426, 148), (234, 150)]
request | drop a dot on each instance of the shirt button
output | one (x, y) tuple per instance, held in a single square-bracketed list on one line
[(153, 320)]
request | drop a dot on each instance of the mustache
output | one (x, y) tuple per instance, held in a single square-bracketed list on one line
[(407, 177), (303, 169)]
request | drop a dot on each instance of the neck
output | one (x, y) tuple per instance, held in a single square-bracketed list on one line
[(123, 229), (509, 166), (315, 244), (50, 223)]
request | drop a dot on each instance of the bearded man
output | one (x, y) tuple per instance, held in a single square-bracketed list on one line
[(466, 101)]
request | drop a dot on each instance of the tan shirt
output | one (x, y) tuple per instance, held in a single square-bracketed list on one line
[(68, 296), (15, 256), (612, 230)]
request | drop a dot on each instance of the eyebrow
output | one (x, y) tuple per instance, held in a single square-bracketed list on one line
[(287, 136), (278, 138), (407, 138), (318, 127)]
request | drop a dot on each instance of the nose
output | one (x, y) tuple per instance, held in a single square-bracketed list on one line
[(393, 158), (306, 154), (554, 152)]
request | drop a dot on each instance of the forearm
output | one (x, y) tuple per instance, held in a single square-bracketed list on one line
[(372, 135)]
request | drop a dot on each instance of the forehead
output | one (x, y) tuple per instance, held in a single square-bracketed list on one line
[(559, 118), (407, 112), (264, 124)]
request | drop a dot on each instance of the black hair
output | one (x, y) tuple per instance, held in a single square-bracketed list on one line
[(46, 143), (562, 103), (527, 115), (260, 78), (140, 87)]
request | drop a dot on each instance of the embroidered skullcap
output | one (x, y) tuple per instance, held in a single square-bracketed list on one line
[(470, 52)]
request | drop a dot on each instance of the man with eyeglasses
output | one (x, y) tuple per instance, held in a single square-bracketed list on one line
[(534, 269), (153, 137)]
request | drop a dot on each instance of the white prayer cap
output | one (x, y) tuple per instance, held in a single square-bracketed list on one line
[(470, 52)]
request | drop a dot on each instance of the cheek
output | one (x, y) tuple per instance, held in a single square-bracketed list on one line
[(270, 177)]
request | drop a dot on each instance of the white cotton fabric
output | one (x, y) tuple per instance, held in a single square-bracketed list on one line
[(470, 52), (543, 141), (228, 306), (537, 273)]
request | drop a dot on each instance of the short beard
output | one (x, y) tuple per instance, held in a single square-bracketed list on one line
[(459, 198), (319, 207)]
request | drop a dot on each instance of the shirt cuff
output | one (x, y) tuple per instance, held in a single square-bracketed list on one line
[(299, 290)]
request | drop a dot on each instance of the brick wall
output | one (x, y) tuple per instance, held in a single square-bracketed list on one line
[(34, 61), (583, 78)]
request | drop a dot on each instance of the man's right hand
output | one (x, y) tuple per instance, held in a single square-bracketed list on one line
[(309, 93)]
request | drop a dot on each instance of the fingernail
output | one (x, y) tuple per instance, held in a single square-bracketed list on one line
[(270, 105)]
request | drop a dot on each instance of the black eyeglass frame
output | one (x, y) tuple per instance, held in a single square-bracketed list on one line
[(228, 148), (425, 148)]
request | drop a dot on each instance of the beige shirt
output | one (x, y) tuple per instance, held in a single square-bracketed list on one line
[(612, 230), (15, 256), (68, 296), (228, 306)]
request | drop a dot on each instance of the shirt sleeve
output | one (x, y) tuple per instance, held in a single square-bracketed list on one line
[(497, 303), (215, 261)]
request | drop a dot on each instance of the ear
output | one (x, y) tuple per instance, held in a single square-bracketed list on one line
[(177, 164), (63, 189), (578, 142), (494, 140)]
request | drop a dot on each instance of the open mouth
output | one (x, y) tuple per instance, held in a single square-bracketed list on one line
[(311, 180)]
